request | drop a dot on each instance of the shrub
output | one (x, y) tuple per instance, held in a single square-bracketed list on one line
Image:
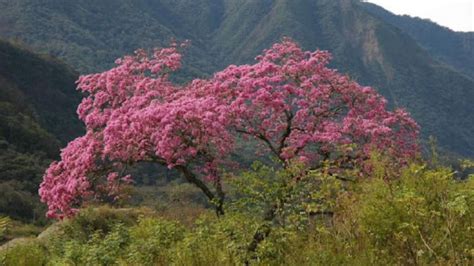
[(417, 215), (25, 252), (217, 241), (100, 249), (151, 240), (425, 216)]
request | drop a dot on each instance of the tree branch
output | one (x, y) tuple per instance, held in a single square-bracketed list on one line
[(287, 133), (262, 137), (192, 178), (263, 231)]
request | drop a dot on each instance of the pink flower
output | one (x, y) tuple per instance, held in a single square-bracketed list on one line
[(289, 101)]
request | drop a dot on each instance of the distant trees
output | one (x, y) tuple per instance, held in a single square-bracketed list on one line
[(289, 101)]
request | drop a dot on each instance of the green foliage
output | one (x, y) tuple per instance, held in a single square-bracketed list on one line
[(99, 249), (27, 253), (217, 241), (152, 240), (19, 180), (102, 219), (19, 203), (294, 192), (467, 164), (418, 215), (97, 236), (423, 217), (467, 167), (24, 133), (18, 229), (4, 223)]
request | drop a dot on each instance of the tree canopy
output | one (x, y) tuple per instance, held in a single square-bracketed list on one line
[(289, 100)]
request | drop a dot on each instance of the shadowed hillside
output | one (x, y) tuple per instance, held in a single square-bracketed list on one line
[(37, 116)]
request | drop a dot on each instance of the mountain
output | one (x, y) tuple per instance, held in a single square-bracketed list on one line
[(454, 48), (89, 35), (37, 117), (41, 88)]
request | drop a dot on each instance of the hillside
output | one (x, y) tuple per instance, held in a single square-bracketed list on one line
[(90, 35), (453, 48), (37, 116)]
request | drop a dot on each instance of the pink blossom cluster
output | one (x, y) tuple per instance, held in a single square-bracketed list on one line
[(289, 100)]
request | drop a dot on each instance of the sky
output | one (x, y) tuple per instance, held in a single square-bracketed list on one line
[(455, 14)]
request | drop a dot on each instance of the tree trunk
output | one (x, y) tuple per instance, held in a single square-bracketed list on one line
[(218, 201)]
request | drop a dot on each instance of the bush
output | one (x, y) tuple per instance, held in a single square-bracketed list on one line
[(217, 241), (102, 218), (26, 252), (151, 241), (413, 216), (99, 249), (424, 217)]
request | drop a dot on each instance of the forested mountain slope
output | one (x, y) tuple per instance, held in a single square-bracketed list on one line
[(89, 35), (453, 48), (37, 116)]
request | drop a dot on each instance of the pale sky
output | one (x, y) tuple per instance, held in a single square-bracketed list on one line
[(455, 14)]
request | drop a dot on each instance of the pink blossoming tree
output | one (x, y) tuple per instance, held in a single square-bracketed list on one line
[(290, 101)]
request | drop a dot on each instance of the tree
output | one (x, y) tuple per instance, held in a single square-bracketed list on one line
[(289, 100)]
